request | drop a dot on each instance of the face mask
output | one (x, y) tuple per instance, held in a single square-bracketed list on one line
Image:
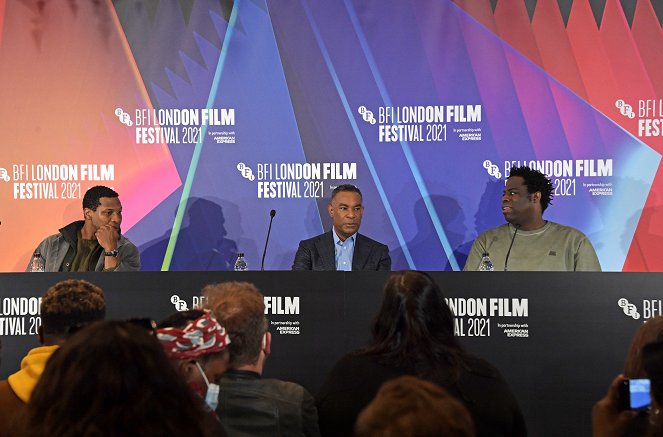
[(212, 396)]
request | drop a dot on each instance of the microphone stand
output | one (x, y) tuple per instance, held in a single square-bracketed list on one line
[(508, 252), (272, 213)]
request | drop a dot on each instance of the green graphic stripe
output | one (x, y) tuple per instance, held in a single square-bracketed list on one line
[(186, 191)]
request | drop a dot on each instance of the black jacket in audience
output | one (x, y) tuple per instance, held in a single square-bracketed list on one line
[(252, 406)]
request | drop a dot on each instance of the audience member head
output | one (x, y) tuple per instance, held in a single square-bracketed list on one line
[(197, 345), (68, 306), (112, 379), (410, 407), (644, 360), (240, 308), (414, 327), (650, 331)]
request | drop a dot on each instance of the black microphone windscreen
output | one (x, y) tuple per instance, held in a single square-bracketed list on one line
[(272, 213)]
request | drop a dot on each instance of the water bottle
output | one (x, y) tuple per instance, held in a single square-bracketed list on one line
[(240, 264), (486, 264), (37, 264)]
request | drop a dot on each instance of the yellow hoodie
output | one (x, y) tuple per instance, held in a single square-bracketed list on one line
[(32, 366)]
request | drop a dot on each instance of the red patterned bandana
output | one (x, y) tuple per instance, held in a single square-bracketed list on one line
[(200, 337)]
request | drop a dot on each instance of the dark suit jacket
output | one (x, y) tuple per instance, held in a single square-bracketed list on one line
[(318, 253)]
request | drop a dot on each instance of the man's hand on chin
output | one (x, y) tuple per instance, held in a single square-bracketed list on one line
[(107, 236)]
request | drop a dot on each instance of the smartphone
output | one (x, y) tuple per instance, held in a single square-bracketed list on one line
[(634, 394)]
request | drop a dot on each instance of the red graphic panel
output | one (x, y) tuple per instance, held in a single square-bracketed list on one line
[(63, 74)]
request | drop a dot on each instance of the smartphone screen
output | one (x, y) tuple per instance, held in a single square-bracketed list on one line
[(638, 393)]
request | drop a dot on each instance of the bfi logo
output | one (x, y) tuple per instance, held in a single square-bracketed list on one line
[(650, 308)]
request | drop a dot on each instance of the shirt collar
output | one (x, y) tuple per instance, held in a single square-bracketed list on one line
[(337, 239)]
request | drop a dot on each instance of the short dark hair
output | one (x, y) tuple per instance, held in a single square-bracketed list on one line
[(345, 187), (240, 308), (69, 305), (92, 196), (535, 181)]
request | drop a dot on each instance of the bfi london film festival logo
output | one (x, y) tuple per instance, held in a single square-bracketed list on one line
[(624, 108), (296, 180), (366, 115), (276, 306), (245, 171), (4, 175), (124, 117), (181, 305), (181, 125), (628, 308), (492, 169), (650, 308)]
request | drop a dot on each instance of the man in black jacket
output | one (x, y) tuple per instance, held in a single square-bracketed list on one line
[(343, 248), (250, 405)]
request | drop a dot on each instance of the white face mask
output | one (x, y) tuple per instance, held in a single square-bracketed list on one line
[(212, 396)]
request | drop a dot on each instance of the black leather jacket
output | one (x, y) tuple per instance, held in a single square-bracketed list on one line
[(252, 406)]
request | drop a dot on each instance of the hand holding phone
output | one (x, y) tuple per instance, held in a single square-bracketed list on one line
[(634, 394)]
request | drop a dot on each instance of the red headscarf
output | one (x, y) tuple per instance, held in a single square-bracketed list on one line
[(200, 337)]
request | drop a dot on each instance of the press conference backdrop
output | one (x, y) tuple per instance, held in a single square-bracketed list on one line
[(206, 114), (558, 338)]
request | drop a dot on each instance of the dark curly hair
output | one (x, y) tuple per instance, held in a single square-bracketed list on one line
[(535, 181), (92, 196), (69, 305)]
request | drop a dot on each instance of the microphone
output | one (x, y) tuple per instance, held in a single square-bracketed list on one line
[(272, 213), (508, 252)]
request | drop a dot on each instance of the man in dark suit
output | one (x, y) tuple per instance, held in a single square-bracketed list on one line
[(343, 248)]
